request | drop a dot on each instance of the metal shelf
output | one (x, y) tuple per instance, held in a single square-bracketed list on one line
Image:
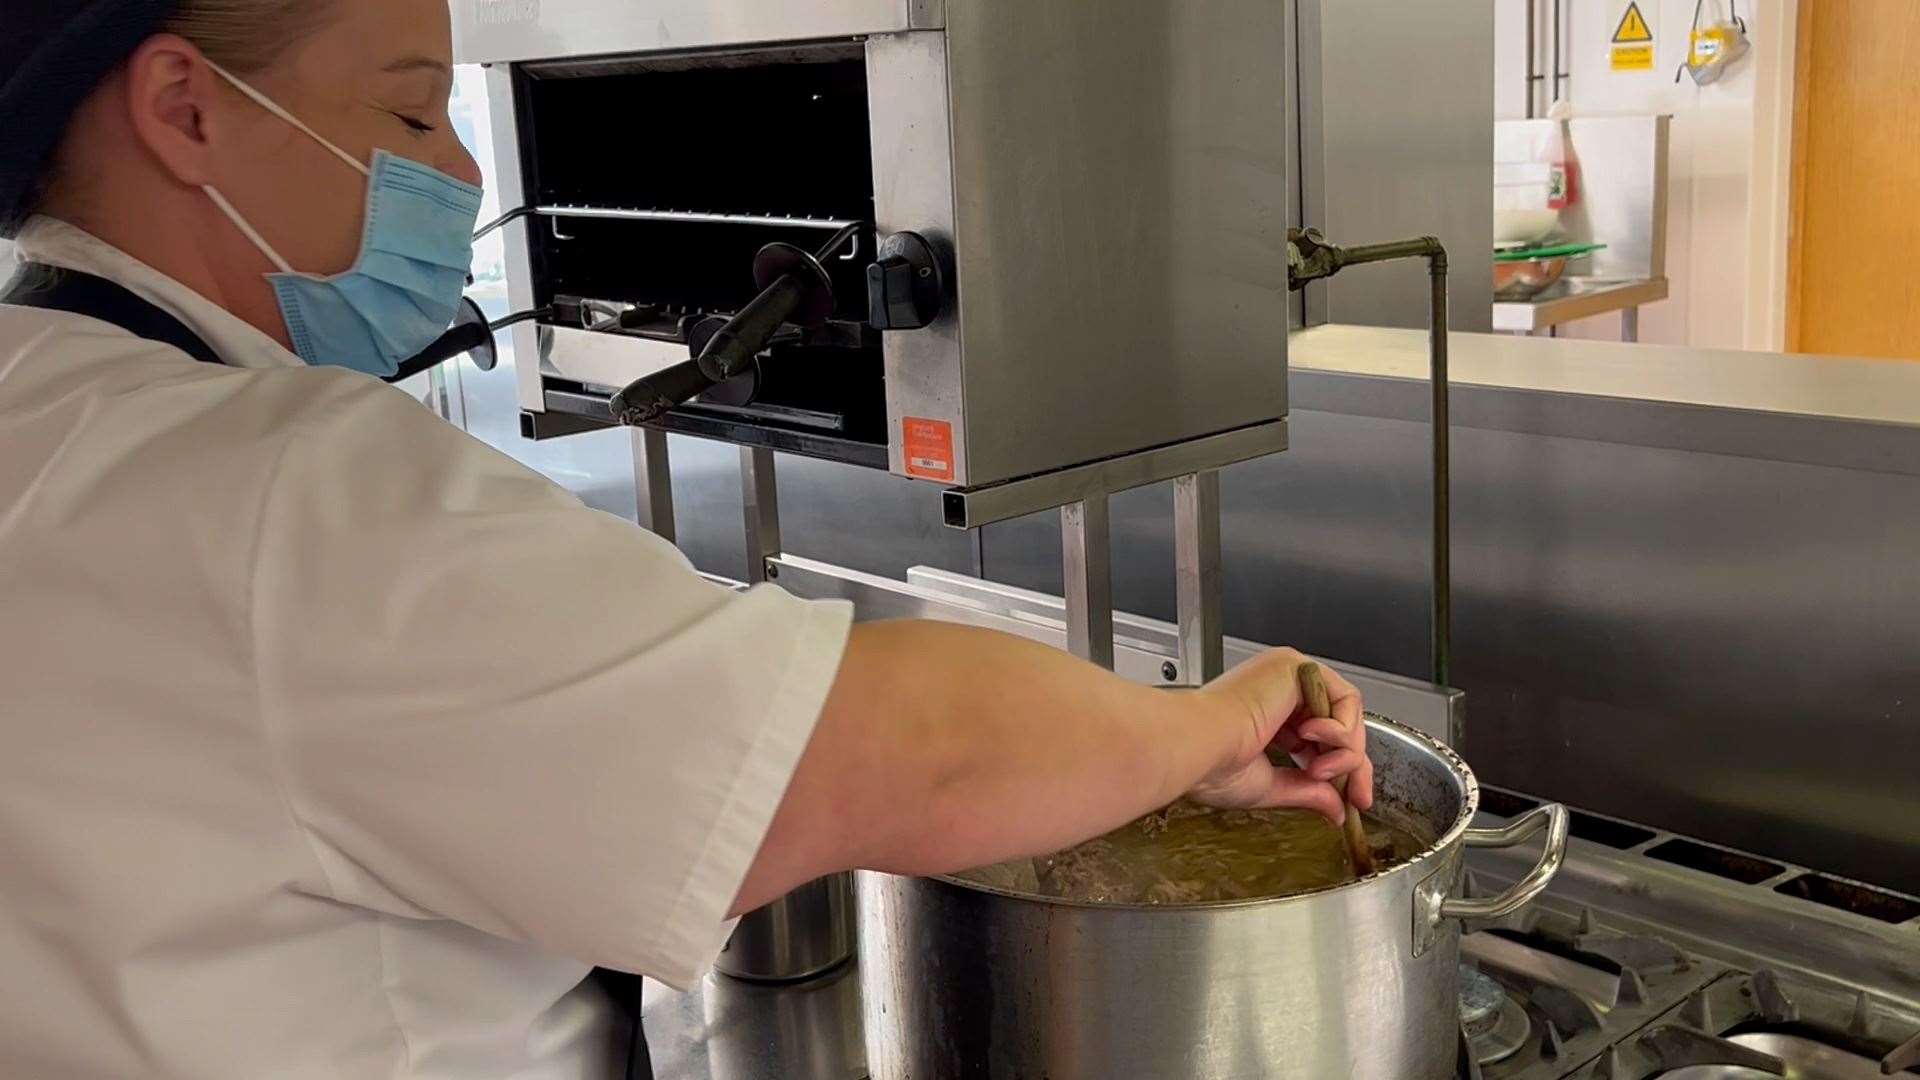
[(1575, 298)]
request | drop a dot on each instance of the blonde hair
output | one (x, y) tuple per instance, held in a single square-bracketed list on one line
[(245, 36)]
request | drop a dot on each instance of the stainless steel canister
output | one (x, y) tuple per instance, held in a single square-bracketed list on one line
[(808, 931), (1355, 982)]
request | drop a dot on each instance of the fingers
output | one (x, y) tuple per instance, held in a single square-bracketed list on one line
[(1335, 763), (1333, 751), (1347, 706), (1297, 790), (1330, 734), (1360, 785)]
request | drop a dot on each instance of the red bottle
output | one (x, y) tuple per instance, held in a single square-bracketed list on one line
[(1563, 180)]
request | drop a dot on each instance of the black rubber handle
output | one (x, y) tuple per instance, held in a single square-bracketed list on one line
[(731, 351), (461, 339), (651, 396)]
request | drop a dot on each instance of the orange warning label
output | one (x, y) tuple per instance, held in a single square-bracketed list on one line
[(929, 448)]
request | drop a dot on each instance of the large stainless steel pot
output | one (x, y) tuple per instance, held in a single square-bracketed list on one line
[(802, 934), (1356, 982)]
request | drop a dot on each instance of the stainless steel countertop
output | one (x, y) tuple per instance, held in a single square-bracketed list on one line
[(1575, 298), (1882, 391)]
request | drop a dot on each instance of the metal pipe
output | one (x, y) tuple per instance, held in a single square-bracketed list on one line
[(1533, 58), (1442, 613), (1312, 260), (1560, 73)]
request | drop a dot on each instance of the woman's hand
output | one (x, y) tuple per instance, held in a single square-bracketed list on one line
[(1263, 697)]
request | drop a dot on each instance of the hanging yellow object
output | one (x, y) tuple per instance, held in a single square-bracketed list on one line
[(1713, 48)]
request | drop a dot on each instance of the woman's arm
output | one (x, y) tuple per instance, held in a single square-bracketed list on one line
[(944, 747)]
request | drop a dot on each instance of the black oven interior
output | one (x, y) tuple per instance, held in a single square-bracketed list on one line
[(723, 154)]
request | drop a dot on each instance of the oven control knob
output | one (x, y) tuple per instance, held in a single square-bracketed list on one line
[(907, 286)]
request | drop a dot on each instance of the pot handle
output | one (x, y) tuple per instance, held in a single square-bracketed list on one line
[(1551, 817)]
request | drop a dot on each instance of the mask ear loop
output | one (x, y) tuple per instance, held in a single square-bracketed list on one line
[(271, 106), (247, 229)]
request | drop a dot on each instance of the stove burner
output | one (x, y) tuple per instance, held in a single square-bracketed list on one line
[(1496, 1026)]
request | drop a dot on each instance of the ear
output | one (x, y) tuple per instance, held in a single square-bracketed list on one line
[(171, 99)]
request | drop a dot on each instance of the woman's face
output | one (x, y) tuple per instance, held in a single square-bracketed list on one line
[(377, 76)]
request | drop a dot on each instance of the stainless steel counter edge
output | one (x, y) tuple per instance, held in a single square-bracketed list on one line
[(1145, 650), (1819, 410)]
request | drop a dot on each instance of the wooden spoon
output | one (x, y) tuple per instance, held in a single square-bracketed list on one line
[(1313, 688)]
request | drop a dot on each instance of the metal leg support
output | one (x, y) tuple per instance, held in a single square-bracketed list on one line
[(653, 482), (1087, 559), (761, 500), (1630, 324), (1196, 545)]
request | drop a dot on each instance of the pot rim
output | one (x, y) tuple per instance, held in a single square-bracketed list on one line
[(1435, 851)]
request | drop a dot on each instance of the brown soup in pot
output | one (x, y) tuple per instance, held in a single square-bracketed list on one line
[(1190, 854)]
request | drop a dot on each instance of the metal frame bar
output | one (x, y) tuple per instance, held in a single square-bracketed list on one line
[(1087, 560), (701, 217), (760, 504), (653, 483), (970, 508), (1197, 579)]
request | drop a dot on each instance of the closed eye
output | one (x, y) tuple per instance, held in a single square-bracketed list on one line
[(420, 126)]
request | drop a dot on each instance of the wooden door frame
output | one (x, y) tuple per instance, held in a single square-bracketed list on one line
[(1770, 177), (1797, 169)]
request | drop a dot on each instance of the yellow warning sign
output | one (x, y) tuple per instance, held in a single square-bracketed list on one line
[(1633, 58), (1633, 28), (1632, 46)]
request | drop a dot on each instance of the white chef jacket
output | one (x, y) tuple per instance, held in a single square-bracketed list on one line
[(334, 743)]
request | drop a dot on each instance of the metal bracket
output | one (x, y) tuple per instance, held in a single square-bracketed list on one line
[(1428, 895), (1197, 579), (653, 483), (1087, 561), (760, 502)]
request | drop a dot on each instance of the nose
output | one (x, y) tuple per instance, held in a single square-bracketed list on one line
[(461, 165)]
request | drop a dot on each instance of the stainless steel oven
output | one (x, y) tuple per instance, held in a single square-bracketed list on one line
[(1067, 220)]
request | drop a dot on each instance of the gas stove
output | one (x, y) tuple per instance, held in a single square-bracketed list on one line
[(1655, 956)]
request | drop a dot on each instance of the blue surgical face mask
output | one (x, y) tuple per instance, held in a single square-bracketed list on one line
[(404, 289)]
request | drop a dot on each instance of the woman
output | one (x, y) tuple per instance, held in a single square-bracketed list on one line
[(339, 745)]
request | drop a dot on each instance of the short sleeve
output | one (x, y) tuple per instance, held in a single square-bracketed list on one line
[(495, 705)]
